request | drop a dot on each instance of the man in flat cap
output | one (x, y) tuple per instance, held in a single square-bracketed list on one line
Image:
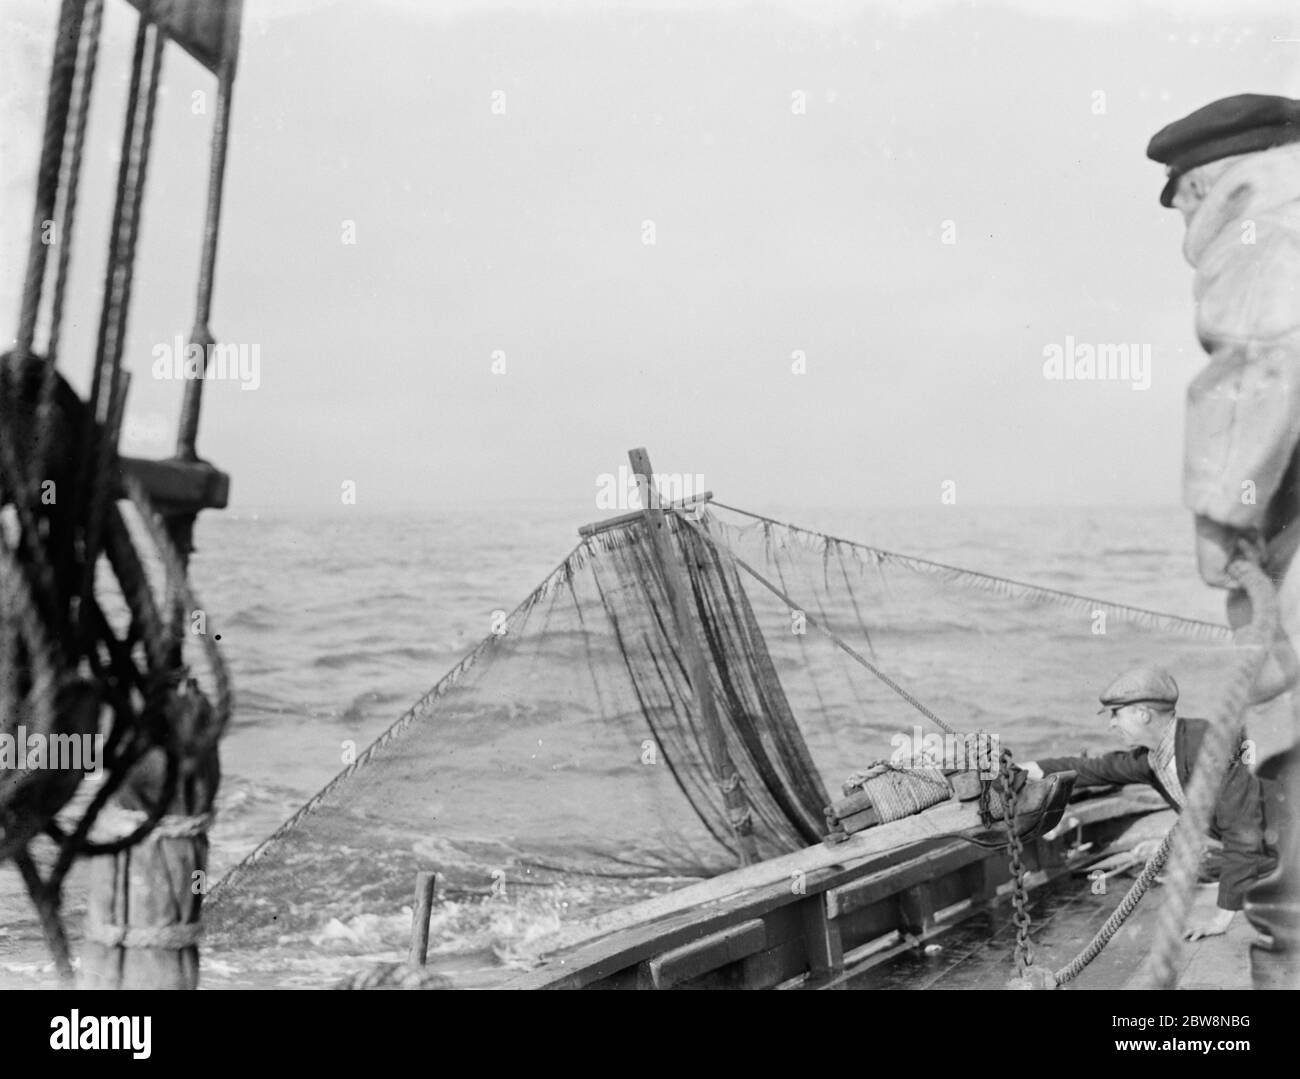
[(1162, 751), (1234, 174)]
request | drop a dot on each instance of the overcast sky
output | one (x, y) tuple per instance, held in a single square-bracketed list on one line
[(802, 166)]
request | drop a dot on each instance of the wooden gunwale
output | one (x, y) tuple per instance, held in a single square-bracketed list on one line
[(821, 910)]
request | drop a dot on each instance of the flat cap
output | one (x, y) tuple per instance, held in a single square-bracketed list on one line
[(1240, 124), (1142, 685)]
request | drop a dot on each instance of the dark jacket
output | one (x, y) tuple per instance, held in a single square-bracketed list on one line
[(1238, 820)]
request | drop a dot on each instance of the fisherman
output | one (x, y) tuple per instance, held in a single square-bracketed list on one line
[(1234, 175), (1163, 748)]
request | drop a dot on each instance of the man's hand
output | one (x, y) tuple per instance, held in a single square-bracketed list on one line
[(1212, 925)]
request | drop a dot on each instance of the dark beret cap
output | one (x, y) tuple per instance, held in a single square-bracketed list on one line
[(1240, 124)]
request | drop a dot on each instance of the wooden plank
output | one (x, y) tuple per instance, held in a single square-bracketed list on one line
[(1135, 802), (678, 588), (599, 959), (178, 486), (981, 881), (707, 954), (771, 966), (824, 946), (847, 806), (916, 910), (596, 527), (857, 822), (894, 879)]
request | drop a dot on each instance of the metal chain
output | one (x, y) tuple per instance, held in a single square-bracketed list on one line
[(1019, 895)]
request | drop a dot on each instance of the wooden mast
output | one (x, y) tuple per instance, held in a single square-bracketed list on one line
[(677, 587)]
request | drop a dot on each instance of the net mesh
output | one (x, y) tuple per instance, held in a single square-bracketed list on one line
[(562, 767)]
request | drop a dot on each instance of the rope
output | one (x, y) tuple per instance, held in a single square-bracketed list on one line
[(1120, 914), (19, 609), (59, 101), (443, 686), (180, 596), (80, 114), (1221, 740), (47, 902), (896, 793), (137, 140), (130, 572), (118, 822), (1007, 586), (835, 639)]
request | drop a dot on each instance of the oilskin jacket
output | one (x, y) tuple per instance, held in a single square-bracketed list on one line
[(1243, 409), (1239, 814)]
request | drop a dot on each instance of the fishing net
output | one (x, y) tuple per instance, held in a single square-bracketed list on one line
[(563, 767)]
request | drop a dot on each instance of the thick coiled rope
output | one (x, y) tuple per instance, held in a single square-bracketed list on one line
[(896, 793), (1120, 914)]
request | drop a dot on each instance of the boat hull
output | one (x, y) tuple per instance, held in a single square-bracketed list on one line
[(814, 918)]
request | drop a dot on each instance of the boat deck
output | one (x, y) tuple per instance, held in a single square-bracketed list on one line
[(978, 953)]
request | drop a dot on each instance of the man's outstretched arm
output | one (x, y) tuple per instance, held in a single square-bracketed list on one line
[(1110, 769)]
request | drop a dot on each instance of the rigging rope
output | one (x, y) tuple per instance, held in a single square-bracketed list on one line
[(101, 448), (560, 574), (80, 115), (1005, 585), (59, 101), (834, 637)]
